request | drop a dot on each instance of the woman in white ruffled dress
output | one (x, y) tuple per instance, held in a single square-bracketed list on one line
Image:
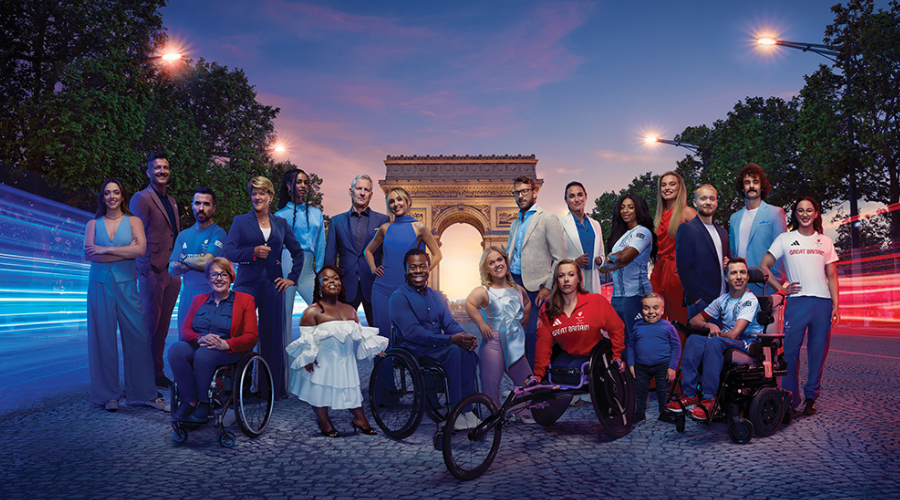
[(323, 365)]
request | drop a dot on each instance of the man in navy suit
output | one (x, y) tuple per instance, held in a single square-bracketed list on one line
[(754, 227), (348, 236), (701, 250)]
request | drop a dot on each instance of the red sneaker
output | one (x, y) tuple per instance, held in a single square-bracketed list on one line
[(704, 409), (676, 407)]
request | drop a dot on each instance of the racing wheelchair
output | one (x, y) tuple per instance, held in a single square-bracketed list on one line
[(749, 399), (403, 388), (245, 385), (469, 452)]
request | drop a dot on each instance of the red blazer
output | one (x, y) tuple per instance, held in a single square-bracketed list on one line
[(244, 327), (579, 333)]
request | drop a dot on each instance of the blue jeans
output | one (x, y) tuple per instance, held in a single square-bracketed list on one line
[(531, 327), (710, 353), (629, 311), (810, 317), (642, 375)]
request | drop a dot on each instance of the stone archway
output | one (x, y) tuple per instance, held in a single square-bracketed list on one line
[(474, 190)]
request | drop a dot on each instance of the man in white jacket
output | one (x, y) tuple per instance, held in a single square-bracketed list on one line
[(583, 237)]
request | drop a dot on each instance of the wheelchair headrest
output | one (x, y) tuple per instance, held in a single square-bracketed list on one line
[(757, 275)]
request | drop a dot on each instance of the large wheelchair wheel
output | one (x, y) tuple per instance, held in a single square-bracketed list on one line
[(547, 412), (766, 411), (396, 394), (612, 392), (469, 452), (254, 394)]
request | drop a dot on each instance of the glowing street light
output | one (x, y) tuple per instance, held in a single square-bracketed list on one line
[(168, 57), (816, 48), (277, 148), (652, 139)]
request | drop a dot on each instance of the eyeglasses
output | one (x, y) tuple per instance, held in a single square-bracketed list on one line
[(522, 192), (218, 276)]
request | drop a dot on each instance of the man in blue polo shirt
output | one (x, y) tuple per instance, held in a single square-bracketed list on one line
[(423, 321), (194, 247)]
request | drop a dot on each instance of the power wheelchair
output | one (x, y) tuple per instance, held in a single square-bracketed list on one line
[(749, 399), (469, 452), (403, 388), (245, 385)]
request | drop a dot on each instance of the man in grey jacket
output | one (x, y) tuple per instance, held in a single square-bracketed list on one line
[(535, 246)]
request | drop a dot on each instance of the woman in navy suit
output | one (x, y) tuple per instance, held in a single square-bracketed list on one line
[(255, 241)]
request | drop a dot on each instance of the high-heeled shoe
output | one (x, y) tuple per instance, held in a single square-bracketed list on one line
[(368, 431), (333, 433)]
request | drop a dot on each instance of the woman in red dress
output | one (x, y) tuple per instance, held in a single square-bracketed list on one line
[(671, 212)]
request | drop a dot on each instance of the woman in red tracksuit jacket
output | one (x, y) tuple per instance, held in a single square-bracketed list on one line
[(573, 318)]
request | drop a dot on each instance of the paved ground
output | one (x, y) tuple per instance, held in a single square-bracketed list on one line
[(64, 447)]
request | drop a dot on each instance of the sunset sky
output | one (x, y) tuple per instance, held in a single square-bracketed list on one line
[(578, 84)]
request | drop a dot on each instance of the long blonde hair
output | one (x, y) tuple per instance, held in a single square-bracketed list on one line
[(677, 210), (485, 274)]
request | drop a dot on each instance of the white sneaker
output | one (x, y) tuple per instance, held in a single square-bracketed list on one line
[(466, 421), (526, 417), (112, 405), (158, 403)]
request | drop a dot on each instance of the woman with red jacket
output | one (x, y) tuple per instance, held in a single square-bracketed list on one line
[(574, 319), (219, 327)]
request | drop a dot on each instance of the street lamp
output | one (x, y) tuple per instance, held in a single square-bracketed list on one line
[(650, 139), (168, 57), (831, 55)]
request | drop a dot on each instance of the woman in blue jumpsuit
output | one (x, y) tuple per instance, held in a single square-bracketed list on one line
[(113, 299)]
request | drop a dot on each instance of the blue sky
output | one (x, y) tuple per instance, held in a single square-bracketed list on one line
[(576, 83)]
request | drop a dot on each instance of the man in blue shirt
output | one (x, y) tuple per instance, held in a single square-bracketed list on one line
[(737, 310), (194, 247), (421, 318)]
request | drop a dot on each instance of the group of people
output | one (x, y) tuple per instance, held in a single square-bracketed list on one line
[(541, 289)]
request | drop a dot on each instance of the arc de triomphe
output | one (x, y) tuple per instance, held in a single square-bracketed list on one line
[(474, 190)]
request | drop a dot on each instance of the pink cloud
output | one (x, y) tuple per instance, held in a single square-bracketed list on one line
[(309, 19)]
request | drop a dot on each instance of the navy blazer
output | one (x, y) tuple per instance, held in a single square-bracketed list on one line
[(341, 250), (245, 235), (698, 264)]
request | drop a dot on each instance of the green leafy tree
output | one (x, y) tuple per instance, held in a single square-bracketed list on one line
[(73, 90), (867, 42)]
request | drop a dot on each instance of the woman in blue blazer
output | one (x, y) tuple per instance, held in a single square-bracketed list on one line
[(254, 242)]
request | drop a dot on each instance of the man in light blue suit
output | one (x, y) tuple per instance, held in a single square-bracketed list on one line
[(348, 236), (753, 228)]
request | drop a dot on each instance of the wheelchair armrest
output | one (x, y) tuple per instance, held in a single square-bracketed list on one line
[(766, 338), (688, 330)]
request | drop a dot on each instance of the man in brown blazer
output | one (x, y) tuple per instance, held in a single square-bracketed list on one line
[(158, 289)]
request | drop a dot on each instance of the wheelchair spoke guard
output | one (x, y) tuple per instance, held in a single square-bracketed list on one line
[(396, 394), (612, 393)]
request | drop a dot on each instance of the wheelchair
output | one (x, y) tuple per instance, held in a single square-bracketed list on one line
[(468, 453), (749, 399), (403, 388), (245, 385)]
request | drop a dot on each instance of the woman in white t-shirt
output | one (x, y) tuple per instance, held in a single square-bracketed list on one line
[(809, 261)]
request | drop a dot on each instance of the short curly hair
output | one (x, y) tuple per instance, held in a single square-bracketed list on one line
[(753, 170)]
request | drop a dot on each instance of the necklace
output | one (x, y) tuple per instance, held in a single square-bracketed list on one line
[(113, 218)]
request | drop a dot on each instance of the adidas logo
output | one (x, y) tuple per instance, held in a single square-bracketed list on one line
[(184, 246), (795, 243), (557, 322)]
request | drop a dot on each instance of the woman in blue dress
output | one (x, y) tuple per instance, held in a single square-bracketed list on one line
[(254, 242), (633, 246), (112, 240), (396, 238)]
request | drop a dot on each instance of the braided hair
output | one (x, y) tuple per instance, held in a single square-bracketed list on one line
[(317, 288), (285, 194)]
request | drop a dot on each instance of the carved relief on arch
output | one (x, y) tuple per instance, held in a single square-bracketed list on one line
[(444, 216)]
